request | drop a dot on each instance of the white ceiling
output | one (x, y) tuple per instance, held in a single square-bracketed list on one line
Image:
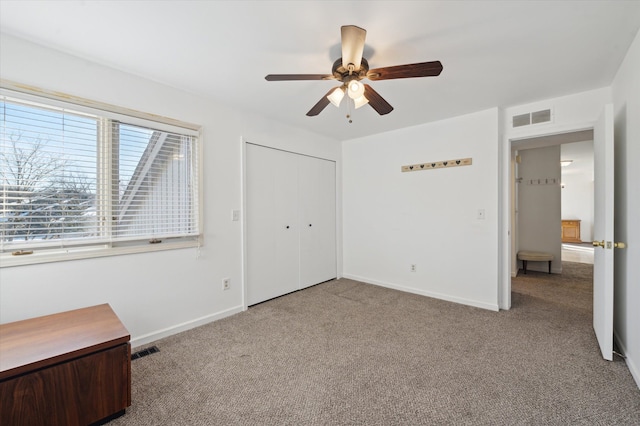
[(495, 53)]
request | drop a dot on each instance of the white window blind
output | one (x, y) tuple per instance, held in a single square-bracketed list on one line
[(153, 180), (73, 177)]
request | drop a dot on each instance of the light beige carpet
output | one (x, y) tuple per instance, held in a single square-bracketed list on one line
[(348, 353)]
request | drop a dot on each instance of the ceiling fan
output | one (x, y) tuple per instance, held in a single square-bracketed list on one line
[(351, 68)]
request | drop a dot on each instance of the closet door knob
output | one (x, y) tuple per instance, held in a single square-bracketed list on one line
[(309, 225), (287, 226)]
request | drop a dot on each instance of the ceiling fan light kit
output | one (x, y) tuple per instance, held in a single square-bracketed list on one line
[(336, 96), (356, 89), (351, 68), (361, 101)]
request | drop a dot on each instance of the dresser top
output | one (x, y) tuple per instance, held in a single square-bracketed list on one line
[(43, 341)]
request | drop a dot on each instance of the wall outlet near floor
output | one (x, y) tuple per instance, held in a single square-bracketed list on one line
[(413, 267), (226, 283)]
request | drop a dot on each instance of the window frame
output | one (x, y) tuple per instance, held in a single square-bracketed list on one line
[(112, 112)]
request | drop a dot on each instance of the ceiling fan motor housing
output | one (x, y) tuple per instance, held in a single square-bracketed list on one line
[(343, 74)]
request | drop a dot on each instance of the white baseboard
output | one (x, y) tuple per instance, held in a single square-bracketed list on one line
[(633, 368), (165, 332), (448, 298)]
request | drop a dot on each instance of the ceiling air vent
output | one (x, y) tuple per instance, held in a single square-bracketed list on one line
[(541, 116), (537, 117), (521, 120)]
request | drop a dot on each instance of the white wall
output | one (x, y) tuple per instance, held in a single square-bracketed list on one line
[(427, 218), (626, 101), (539, 206), (570, 113), (577, 182), (160, 293)]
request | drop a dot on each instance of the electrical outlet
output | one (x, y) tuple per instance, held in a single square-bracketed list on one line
[(413, 268), (226, 283)]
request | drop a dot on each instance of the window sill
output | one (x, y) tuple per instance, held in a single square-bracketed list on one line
[(7, 260)]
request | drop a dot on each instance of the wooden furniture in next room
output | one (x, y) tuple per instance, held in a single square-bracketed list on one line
[(571, 231), (71, 368)]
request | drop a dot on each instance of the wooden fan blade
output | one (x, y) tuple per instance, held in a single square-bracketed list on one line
[(422, 69), (352, 45), (289, 77), (376, 101), (322, 103)]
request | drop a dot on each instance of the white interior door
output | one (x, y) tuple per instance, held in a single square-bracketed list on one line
[(603, 232), (317, 194), (272, 223)]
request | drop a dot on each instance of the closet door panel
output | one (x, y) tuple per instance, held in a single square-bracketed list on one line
[(272, 249), (287, 247), (317, 208)]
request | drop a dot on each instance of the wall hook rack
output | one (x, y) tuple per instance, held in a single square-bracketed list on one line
[(430, 165)]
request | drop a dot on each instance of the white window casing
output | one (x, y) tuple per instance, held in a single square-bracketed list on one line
[(82, 180)]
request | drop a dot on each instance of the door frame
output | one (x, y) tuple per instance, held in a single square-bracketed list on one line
[(506, 196)]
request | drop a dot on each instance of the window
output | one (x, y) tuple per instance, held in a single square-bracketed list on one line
[(78, 182)]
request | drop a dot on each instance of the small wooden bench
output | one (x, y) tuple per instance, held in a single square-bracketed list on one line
[(534, 256)]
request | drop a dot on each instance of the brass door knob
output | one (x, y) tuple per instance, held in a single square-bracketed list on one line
[(619, 245), (598, 243)]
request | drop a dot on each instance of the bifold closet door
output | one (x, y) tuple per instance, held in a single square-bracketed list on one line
[(317, 211), (273, 253)]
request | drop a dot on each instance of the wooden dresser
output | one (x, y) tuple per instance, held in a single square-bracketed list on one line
[(571, 231), (71, 368)]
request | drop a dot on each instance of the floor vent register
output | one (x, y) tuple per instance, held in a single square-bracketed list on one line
[(144, 352)]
